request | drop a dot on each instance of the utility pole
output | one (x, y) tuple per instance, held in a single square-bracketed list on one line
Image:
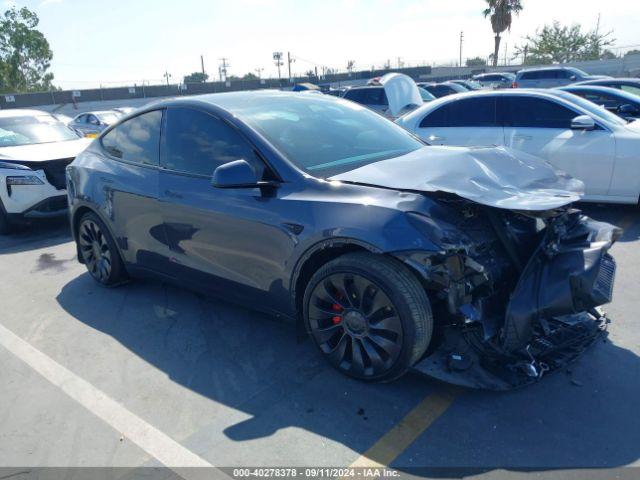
[(224, 65), (526, 50), (277, 58), (290, 61), (506, 49), (167, 75), (461, 41), (259, 72), (203, 72)]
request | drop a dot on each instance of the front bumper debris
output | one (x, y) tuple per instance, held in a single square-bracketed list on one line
[(462, 359), (551, 316)]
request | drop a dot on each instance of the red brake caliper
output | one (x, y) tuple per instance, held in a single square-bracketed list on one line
[(337, 318)]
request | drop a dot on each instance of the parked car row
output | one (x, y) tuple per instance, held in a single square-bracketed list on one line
[(393, 254)]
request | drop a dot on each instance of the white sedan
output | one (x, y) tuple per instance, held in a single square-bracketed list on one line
[(571, 133)]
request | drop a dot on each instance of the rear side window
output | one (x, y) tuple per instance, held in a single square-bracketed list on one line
[(354, 95), (197, 143), (137, 140), (470, 112), (536, 113), (539, 75), (367, 96)]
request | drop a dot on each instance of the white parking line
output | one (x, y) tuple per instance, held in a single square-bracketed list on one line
[(156, 443)]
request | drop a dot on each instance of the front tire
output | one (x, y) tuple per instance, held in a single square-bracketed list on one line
[(369, 316), (99, 252), (5, 226)]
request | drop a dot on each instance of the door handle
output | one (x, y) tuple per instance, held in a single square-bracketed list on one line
[(172, 194), (435, 138)]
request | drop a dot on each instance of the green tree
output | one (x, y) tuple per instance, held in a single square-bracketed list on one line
[(632, 52), (558, 43), (195, 77), (25, 55), (607, 55), (249, 76), (476, 62), (500, 12)]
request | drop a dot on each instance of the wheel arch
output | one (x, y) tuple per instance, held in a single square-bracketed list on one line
[(77, 215), (316, 256)]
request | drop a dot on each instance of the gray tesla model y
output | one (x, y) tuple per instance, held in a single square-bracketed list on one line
[(467, 264)]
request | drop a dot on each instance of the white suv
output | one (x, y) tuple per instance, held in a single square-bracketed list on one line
[(35, 149)]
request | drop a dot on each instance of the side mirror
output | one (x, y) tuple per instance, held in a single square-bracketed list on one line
[(573, 78), (583, 122), (237, 174)]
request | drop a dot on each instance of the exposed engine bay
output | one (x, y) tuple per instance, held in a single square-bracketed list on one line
[(515, 294)]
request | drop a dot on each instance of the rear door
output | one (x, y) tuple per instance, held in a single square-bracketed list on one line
[(463, 122), (228, 241), (131, 188), (542, 127)]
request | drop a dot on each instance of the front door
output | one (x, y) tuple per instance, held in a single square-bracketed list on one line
[(226, 241), (542, 127)]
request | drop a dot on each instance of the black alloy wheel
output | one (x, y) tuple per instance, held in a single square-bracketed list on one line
[(355, 323), (98, 251)]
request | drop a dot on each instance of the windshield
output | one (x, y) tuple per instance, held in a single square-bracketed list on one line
[(28, 130), (323, 135), (108, 118), (594, 109)]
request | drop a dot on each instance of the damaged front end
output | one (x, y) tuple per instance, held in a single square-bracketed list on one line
[(516, 295)]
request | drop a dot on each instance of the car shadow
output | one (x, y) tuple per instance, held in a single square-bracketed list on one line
[(40, 234), (585, 417)]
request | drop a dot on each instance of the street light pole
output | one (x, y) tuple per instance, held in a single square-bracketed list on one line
[(461, 41)]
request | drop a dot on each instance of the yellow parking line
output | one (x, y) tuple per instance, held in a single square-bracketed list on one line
[(407, 430)]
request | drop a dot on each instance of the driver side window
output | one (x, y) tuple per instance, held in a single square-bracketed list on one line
[(197, 143), (534, 112)]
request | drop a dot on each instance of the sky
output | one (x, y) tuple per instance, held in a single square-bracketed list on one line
[(120, 42)]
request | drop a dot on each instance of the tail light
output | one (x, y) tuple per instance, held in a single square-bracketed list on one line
[(514, 85)]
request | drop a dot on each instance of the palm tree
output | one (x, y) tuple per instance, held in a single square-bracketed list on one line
[(500, 12)]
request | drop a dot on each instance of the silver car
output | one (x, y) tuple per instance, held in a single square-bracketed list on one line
[(550, 77), (495, 80), (90, 124)]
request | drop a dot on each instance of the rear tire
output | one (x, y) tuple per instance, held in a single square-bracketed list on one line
[(99, 252), (369, 316)]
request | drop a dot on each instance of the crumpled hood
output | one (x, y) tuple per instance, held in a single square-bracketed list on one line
[(45, 151), (401, 92), (493, 176)]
